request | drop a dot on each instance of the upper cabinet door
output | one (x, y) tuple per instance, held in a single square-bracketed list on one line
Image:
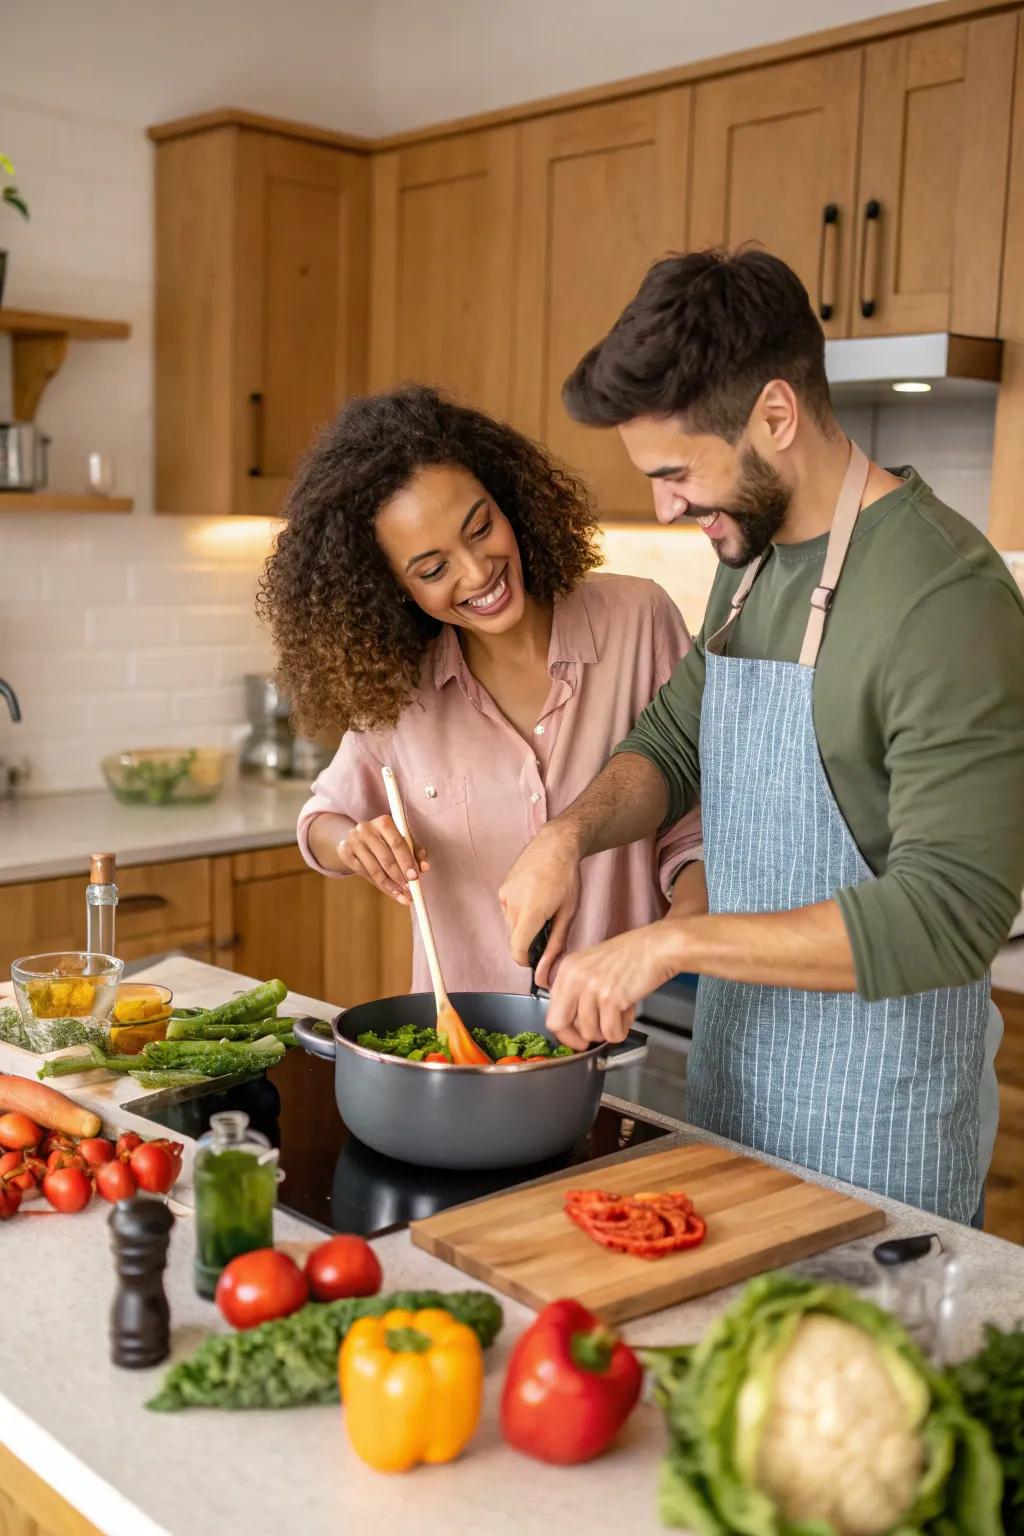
[(300, 313), (442, 292), (932, 191), (774, 161), (604, 195)]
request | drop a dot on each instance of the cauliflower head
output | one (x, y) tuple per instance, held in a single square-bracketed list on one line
[(840, 1420)]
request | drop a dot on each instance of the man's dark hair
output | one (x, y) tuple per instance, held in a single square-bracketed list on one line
[(703, 336)]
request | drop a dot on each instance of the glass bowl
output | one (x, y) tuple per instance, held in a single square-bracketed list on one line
[(140, 1014), (66, 998), (165, 775)]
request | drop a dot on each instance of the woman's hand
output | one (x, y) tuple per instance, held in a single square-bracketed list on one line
[(378, 852)]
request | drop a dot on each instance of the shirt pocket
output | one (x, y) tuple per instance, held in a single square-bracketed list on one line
[(438, 812)]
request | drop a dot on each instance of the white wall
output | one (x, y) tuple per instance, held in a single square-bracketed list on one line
[(368, 66), (116, 631)]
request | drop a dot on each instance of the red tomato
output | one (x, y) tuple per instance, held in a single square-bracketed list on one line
[(437, 1056), (509, 1061), (259, 1286), (154, 1168), (10, 1199), (67, 1190), (18, 1132), (96, 1150), (54, 1139), (174, 1149), (115, 1181), (65, 1157), (126, 1144), (343, 1266), (25, 1179)]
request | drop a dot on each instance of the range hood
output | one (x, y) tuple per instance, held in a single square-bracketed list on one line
[(885, 370)]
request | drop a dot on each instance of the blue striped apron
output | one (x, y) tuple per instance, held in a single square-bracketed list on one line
[(885, 1094)]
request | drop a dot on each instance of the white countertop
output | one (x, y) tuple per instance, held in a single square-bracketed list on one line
[(81, 1424), (46, 835)]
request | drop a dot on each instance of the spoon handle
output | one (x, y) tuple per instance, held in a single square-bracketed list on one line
[(419, 901)]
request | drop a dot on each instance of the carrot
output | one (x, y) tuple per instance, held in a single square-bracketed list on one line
[(46, 1106)]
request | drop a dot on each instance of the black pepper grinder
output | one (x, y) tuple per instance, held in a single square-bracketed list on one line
[(140, 1331)]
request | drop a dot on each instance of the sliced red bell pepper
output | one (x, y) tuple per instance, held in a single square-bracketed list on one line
[(571, 1385)]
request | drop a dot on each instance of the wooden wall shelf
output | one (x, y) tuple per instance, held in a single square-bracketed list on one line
[(39, 344), (57, 501)]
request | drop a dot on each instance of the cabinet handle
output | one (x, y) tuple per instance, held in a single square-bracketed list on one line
[(869, 254), (222, 945), (256, 404), (142, 903), (829, 260)]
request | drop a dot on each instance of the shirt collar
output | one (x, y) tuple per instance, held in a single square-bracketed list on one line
[(572, 639)]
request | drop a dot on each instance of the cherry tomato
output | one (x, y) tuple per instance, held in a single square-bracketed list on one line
[(259, 1286), (509, 1061), (153, 1167), (65, 1157), (126, 1144), (54, 1139), (18, 1132), (115, 1181), (10, 1199), (20, 1169), (174, 1149), (343, 1266), (67, 1190), (438, 1056), (96, 1150)]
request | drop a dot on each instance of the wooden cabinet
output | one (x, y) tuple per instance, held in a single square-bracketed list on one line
[(443, 285), (30, 1507), (932, 184), (775, 161), (604, 195), (160, 907), (260, 310)]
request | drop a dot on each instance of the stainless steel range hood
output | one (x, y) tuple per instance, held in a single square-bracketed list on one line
[(884, 370)]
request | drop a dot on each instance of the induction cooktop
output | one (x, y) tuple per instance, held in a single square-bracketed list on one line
[(337, 1182)]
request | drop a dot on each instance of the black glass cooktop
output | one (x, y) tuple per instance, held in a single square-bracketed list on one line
[(336, 1181)]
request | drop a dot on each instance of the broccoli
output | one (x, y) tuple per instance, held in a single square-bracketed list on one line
[(401, 1042), (414, 1043), (529, 1043)]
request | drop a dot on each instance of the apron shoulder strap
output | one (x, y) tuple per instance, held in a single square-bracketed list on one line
[(843, 523), (716, 642)]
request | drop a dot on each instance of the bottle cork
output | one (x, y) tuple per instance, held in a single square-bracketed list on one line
[(101, 869)]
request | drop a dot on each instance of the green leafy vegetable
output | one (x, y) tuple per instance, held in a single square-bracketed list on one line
[(166, 1077), (414, 1043), (12, 1028), (807, 1411), (992, 1386), (294, 1360), (258, 1003), (213, 1058)]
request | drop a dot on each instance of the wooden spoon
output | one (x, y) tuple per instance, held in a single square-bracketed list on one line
[(464, 1050)]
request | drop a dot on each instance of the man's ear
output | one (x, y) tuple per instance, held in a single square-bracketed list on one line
[(775, 418)]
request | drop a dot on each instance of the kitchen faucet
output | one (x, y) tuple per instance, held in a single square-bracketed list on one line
[(12, 700), (10, 773)]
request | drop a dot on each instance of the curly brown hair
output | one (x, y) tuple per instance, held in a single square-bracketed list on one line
[(350, 654)]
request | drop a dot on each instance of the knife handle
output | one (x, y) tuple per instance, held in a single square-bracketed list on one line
[(902, 1250)]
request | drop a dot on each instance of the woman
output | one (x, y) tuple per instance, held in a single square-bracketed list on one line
[(429, 594)]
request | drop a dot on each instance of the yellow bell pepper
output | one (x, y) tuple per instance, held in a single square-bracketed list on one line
[(412, 1384)]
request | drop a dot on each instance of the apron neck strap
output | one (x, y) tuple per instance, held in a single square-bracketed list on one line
[(843, 522)]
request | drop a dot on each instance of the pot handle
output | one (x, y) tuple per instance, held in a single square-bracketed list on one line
[(628, 1053), (311, 1041), (537, 949)]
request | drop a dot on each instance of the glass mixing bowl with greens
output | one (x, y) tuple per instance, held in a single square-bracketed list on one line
[(165, 775)]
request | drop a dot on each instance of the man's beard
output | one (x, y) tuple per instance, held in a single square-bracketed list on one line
[(758, 506)]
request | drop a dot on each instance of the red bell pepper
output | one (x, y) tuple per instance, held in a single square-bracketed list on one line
[(571, 1385)]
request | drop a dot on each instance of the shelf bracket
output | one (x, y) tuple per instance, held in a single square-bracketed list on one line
[(35, 361)]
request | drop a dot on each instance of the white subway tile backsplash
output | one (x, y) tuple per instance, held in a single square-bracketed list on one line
[(84, 581), (134, 627), (209, 706), (215, 626), (45, 628), (177, 668), (187, 586)]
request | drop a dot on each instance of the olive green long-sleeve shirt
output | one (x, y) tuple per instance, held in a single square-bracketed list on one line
[(919, 714)]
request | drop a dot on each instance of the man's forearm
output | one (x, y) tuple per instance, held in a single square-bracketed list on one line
[(808, 948), (626, 802)]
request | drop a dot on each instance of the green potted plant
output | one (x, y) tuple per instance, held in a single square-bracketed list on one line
[(12, 196)]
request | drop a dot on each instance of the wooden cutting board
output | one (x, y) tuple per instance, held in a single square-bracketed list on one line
[(758, 1218)]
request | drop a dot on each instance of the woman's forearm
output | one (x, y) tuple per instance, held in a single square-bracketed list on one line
[(323, 834)]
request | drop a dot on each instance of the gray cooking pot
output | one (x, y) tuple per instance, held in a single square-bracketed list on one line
[(463, 1117)]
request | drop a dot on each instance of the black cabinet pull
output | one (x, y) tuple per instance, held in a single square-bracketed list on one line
[(256, 466), (828, 260), (869, 257)]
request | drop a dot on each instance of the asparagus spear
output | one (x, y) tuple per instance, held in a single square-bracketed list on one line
[(244, 1009)]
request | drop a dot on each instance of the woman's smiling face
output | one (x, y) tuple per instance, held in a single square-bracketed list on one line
[(453, 551)]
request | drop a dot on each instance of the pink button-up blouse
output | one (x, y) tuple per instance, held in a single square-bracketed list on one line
[(476, 791)]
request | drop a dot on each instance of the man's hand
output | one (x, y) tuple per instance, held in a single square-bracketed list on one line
[(596, 991), (543, 884)]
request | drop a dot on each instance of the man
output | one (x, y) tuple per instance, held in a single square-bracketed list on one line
[(857, 746)]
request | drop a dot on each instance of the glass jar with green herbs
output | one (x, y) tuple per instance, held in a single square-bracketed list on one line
[(236, 1177)]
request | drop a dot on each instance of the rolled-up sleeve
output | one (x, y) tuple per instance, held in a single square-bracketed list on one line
[(681, 842), (350, 786)]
